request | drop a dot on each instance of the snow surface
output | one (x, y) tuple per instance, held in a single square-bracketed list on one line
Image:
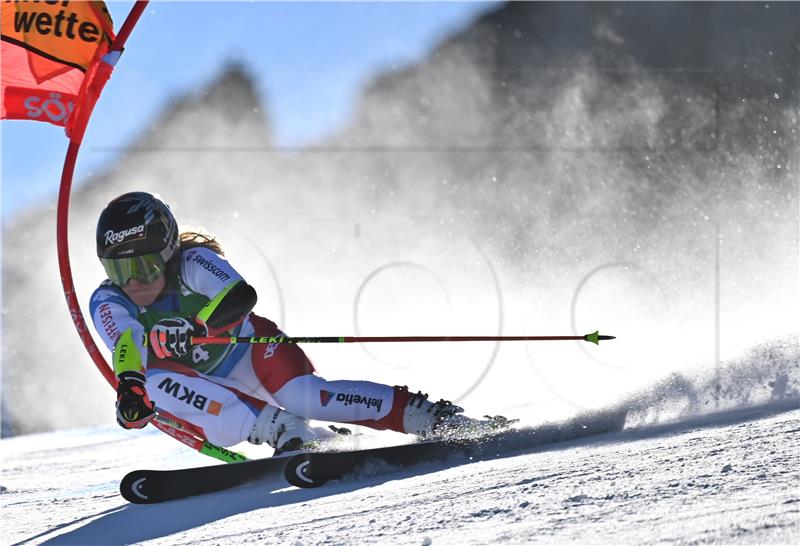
[(731, 477)]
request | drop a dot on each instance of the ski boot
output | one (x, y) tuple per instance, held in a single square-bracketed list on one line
[(287, 432), (445, 420)]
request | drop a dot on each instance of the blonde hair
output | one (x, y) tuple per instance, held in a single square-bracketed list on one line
[(192, 239)]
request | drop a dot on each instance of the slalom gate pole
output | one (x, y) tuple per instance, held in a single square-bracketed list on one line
[(62, 214), (170, 426), (594, 337)]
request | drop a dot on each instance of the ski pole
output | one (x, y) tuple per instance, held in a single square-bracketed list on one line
[(594, 337), (175, 429)]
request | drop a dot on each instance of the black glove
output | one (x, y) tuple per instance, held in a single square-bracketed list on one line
[(134, 408), (170, 337)]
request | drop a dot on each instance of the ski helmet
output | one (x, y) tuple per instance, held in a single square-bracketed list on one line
[(136, 238)]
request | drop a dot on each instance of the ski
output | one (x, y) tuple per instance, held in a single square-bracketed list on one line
[(154, 486), (312, 469)]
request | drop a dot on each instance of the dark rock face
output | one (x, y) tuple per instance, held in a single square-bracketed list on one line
[(629, 122), (527, 51)]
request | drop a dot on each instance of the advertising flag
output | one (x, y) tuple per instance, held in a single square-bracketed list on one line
[(50, 55)]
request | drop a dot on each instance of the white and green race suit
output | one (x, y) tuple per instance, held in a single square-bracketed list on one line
[(203, 276), (221, 389)]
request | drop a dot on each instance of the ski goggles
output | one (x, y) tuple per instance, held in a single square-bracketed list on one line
[(146, 268)]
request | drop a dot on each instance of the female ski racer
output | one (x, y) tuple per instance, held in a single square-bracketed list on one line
[(163, 288)]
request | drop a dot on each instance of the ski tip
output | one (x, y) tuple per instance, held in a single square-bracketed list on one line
[(134, 488), (299, 471), (596, 338)]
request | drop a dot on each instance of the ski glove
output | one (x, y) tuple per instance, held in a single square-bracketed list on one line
[(170, 337), (134, 408)]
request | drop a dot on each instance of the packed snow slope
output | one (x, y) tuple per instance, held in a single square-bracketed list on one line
[(728, 477)]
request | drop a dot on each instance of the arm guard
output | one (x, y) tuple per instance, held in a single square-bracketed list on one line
[(126, 354), (228, 308)]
